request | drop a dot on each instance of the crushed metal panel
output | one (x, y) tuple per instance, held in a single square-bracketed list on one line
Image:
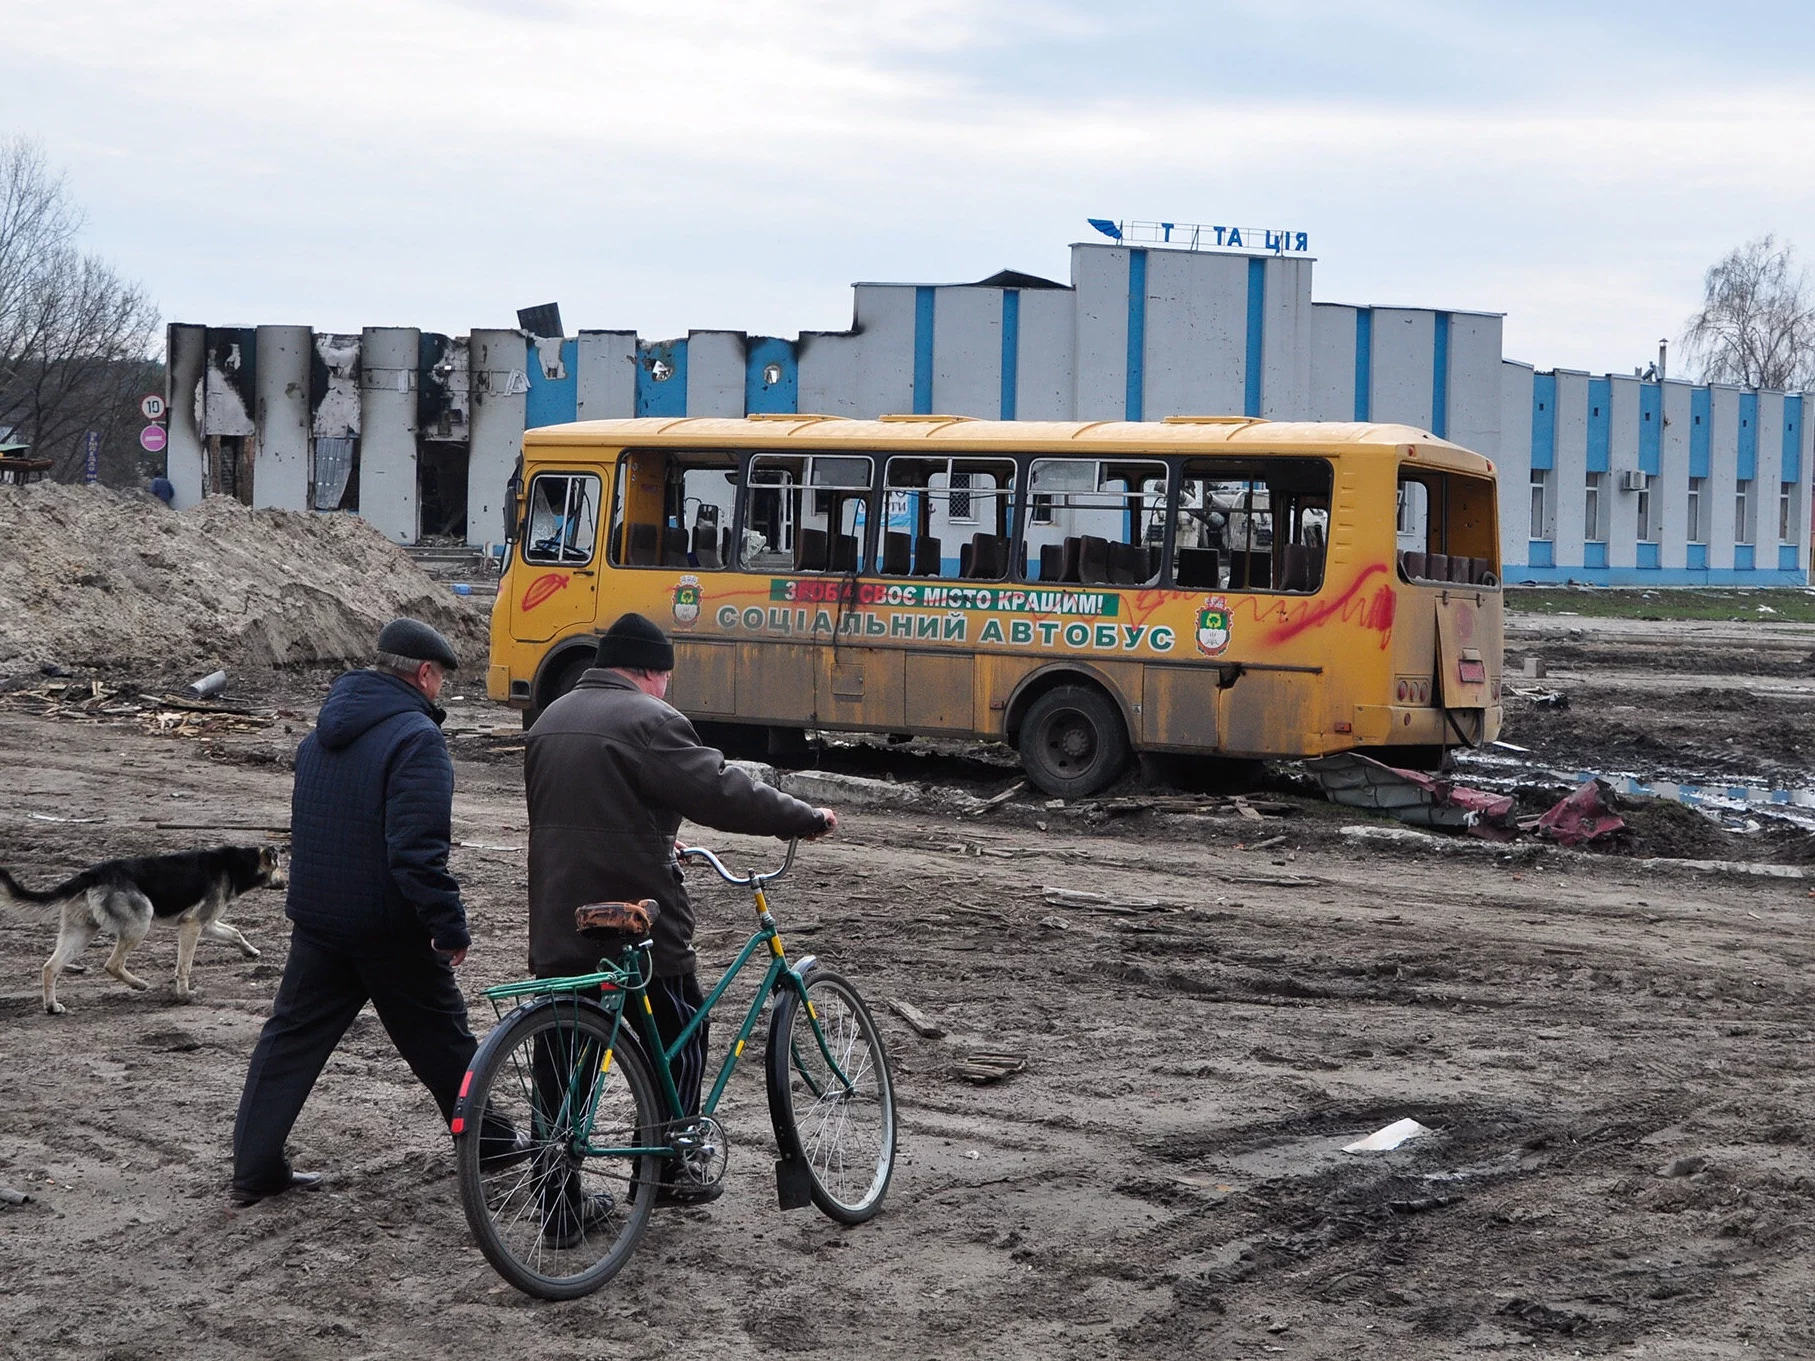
[(1414, 797), (1585, 815), (229, 395)]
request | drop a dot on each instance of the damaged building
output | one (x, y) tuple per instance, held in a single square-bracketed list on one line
[(1613, 479)]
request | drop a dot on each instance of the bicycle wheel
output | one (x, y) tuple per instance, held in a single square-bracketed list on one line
[(550, 1206), (843, 1132)]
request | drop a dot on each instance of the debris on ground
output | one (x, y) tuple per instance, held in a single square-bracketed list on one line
[(917, 1019), (99, 579), (1412, 796), (984, 1066), (1390, 1137), (1584, 816)]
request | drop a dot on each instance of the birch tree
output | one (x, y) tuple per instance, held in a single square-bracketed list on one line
[(1756, 326)]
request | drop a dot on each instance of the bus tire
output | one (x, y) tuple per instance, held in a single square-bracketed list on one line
[(1072, 741), (560, 679)]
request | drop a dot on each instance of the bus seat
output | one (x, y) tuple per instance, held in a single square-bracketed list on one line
[(1295, 568), (1197, 569), (927, 560), (705, 546), (810, 550), (1122, 563), (1068, 563), (645, 546), (674, 546), (1436, 567), (1052, 561), (1251, 571), (1462, 568), (844, 553), (1412, 564), (1093, 560), (988, 557), (724, 546), (897, 553)]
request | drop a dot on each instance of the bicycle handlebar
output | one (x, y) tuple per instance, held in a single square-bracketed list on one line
[(749, 880)]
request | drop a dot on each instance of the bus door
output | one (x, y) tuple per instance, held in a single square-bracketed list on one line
[(1450, 516), (555, 590)]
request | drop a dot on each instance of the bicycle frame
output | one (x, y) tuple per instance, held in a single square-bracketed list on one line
[(631, 979)]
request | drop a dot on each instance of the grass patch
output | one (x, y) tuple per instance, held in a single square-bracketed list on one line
[(1794, 606)]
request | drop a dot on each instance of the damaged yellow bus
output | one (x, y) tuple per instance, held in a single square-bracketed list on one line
[(1208, 586)]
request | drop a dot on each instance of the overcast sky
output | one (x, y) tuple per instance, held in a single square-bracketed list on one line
[(739, 163)]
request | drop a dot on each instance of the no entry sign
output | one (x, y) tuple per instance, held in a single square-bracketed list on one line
[(151, 439)]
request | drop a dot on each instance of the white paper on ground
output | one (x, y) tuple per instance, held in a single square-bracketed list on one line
[(1392, 1136)]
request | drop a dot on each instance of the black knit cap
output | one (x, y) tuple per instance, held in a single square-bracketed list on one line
[(415, 640), (635, 644)]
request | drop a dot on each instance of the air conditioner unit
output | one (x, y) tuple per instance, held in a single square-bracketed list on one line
[(1633, 480)]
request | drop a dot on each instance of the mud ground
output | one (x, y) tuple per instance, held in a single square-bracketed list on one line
[(1615, 1059)]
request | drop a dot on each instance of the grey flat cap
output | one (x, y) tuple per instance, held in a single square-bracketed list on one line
[(415, 640)]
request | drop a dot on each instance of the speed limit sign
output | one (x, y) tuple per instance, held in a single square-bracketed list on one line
[(151, 406)]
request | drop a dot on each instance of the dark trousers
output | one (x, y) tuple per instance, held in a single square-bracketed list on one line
[(674, 1000), (322, 991)]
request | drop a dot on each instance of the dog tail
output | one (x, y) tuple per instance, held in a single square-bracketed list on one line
[(16, 896)]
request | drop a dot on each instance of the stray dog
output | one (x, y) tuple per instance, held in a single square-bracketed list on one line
[(123, 897)]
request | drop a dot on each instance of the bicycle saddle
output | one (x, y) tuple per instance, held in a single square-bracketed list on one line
[(598, 921)]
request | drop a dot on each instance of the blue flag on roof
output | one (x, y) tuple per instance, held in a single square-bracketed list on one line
[(1108, 228)]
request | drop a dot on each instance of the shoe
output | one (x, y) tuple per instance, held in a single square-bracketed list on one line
[(299, 1181), (670, 1193), (565, 1229)]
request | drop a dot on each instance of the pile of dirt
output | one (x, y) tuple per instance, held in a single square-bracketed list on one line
[(104, 580)]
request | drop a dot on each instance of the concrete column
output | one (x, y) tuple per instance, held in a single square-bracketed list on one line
[(187, 351), (1332, 377), (1622, 457), (1571, 471), (967, 352), (1046, 365), (715, 373), (1513, 463), (387, 422), (500, 361), (607, 378), (1723, 476), (280, 477), (1670, 489)]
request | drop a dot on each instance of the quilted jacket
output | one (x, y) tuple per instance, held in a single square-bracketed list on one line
[(370, 819)]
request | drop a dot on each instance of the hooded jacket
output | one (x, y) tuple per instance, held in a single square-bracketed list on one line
[(610, 773), (370, 820)]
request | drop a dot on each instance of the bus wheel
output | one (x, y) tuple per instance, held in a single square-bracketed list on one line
[(559, 682), (1073, 742)]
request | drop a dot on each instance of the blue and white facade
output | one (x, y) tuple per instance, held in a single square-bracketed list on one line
[(1608, 480)]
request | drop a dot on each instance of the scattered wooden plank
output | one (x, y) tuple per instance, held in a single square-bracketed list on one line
[(996, 800), (1246, 809), (985, 1066), (917, 1019), (1265, 843)]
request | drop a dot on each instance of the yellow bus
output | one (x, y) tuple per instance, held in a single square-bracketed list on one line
[(1211, 586)]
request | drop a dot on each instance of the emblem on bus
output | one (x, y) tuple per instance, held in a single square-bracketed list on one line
[(1213, 626), (687, 602)]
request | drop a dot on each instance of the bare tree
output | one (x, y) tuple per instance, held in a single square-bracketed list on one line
[(1756, 326), (75, 338)]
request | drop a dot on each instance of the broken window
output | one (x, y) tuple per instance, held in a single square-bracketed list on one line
[(1455, 535), (673, 509), (1255, 524), (1105, 524), (563, 518), (806, 513), (947, 517)]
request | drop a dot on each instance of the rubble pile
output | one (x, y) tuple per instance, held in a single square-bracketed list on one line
[(97, 579)]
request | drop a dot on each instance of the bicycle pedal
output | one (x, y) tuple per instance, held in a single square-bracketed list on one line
[(793, 1186)]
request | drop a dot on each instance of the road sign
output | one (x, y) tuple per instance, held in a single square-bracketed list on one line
[(151, 406), (151, 439), (91, 457)]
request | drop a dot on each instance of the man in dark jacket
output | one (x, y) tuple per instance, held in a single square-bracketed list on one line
[(376, 915), (611, 770)]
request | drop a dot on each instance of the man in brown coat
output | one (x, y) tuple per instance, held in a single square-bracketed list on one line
[(611, 771)]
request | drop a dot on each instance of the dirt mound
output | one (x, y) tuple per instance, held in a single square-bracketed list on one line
[(97, 579)]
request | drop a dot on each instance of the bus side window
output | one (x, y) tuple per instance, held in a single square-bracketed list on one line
[(947, 518), (1097, 522), (672, 510), (563, 518), (806, 513), (1252, 524)]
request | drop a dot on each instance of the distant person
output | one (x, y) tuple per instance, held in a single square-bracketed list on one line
[(610, 772), (163, 490), (376, 915)]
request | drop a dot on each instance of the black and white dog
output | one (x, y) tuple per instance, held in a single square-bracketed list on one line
[(123, 897)]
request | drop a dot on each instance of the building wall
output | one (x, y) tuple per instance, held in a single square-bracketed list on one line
[(1138, 333)]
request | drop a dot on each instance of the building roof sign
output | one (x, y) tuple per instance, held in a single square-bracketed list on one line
[(1199, 236)]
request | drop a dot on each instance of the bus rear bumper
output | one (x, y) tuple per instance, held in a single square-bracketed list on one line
[(1383, 725)]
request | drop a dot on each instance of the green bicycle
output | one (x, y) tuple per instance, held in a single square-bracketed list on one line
[(566, 1133)]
